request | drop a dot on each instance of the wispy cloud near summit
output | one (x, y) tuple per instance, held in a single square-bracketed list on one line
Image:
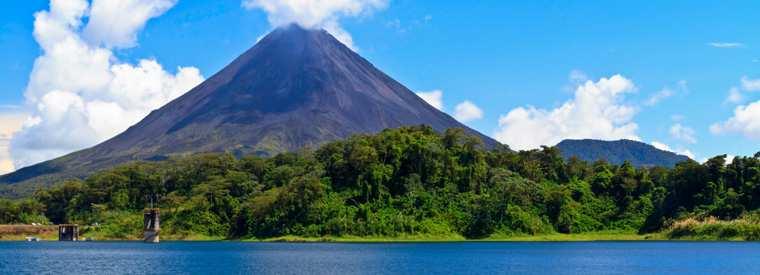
[(316, 13)]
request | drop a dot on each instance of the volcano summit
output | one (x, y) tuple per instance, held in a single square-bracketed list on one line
[(296, 88)]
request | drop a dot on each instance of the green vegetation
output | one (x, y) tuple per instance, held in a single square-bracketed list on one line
[(407, 184)]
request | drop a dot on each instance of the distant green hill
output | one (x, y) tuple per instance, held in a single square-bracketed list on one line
[(616, 152)]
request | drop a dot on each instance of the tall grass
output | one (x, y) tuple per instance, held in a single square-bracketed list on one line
[(711, 228)]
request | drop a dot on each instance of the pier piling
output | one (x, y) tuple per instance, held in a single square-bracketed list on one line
[(151, 225), (68, 232)]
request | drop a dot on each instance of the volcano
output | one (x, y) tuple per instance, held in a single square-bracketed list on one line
[(295, 88)]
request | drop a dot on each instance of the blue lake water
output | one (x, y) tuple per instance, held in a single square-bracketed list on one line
[(410, 258)]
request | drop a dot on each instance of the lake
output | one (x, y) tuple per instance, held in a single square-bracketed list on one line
[(380, 258)]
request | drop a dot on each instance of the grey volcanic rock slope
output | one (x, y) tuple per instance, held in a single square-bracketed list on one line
[(296, 88), (637, 153)]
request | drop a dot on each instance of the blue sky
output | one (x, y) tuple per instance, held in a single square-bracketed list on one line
[(499, 55)]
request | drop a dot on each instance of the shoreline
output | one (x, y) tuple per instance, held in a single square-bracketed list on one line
[(602, 236), (580, 237), (49, 233)]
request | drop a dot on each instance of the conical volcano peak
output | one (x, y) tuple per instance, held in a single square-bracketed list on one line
[(294, 67), (292, 47), (295, 88)]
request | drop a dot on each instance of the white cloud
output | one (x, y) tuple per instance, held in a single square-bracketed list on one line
[(730, 159), (683, 133), (79, 93), (596, 111), (725, 45), (467, 111), (661, 146), (659, 96), (687, 152), (316, 13), (682, 87), (10, 123), (116, 23), (434, 98), (665, 147), (577, 77), (746, 121), (734, 95), (749, 84)]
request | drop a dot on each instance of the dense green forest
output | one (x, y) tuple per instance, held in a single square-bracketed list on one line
[(407, 181)]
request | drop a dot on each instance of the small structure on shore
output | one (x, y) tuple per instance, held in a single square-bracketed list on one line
[(68, 232), (151, 225)]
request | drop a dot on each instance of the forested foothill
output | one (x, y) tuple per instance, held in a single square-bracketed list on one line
[(409, 181)]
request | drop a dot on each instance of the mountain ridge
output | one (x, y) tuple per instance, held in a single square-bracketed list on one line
[(618, 151)]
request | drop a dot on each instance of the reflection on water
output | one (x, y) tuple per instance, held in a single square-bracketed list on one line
[(413, 258)]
